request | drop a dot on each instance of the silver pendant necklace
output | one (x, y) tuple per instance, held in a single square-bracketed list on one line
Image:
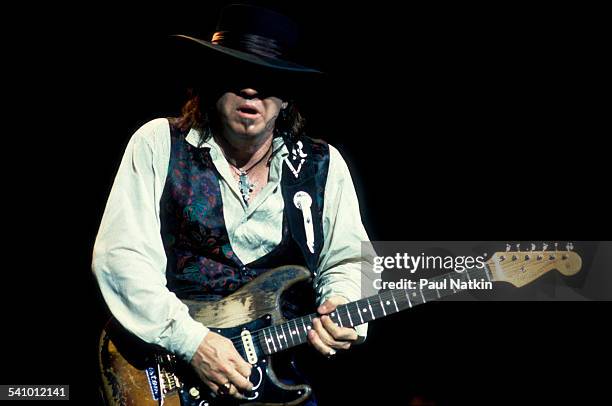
[(245, 186)]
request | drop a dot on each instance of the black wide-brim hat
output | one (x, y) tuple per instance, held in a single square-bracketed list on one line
[(255, 35)]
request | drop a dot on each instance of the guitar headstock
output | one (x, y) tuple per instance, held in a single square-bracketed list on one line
[(522, 267)]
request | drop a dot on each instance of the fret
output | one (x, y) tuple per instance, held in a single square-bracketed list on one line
[(447, 290), (388, 303), (363, 310), (278, 338), (359, 311), (415, 298), (370, 306), (394, 302), (465, 277), (382, 306), (430, 294), (377, 305), (290, 333), (407, 293), (336, 314), (272, 340), (284, 336), (267, 341), (297, 330), (304, 325), (349, 315), (422, 296)]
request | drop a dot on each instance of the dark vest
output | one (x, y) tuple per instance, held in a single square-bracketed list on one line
[(201, 262)]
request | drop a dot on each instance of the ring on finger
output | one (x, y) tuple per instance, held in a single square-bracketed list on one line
[(224, 389)]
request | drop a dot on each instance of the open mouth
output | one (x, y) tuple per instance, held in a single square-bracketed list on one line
[(248, 111)]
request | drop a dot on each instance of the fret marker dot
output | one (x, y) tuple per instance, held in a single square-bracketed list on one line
[(308, 327), (269, 340), (388, 303), (333, 314), (413, 294), (365, 310), (293, 332)]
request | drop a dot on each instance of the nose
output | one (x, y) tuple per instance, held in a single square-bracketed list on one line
[(248, 93)]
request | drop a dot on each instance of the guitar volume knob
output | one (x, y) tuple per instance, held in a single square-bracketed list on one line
[(194, 392)]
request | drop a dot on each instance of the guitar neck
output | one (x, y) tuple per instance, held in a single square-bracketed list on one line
[(295, 332)]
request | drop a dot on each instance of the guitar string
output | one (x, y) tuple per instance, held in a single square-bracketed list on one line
[(388, 295), (354, 315), (257, 334)]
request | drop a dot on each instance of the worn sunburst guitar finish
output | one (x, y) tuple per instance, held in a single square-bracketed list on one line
[(140, 374)]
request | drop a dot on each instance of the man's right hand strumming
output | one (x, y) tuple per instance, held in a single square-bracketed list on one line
[(219, 365)]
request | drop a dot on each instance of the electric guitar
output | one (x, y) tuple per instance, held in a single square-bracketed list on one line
[(140, 374)]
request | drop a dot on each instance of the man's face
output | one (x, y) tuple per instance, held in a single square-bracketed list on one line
[(247, 113)]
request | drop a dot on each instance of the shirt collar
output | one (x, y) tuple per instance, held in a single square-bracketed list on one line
[(193, 138)]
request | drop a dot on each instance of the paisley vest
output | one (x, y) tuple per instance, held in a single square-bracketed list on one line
[(201, 262)]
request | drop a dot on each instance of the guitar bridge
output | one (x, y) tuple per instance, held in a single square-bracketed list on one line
[(168, 381)]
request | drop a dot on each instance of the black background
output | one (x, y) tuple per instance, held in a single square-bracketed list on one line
[(457, 121)]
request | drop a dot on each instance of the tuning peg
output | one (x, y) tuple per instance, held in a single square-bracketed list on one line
[(544, 247), (569, 246), (508, 247), (556, 246), (533, 247), (518, 247)]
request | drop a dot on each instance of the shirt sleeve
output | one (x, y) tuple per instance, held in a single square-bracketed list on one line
[(342, 258), (129, 260)]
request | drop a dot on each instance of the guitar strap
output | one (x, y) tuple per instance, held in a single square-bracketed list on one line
[(303, 186)]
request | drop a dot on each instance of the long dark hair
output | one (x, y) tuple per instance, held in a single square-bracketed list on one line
[(199, 113)]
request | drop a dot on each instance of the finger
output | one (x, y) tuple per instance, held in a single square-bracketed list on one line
[(232, 391), (239, 380), (235, 393), (243, 367), (330, 304), (338, 333), (325, 336), (326, 307), (213, 386), (218, 378), (318, 344)]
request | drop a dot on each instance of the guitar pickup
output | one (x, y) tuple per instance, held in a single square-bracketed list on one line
[(249, 348)]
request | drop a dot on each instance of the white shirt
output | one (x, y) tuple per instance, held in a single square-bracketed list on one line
[(129, 260)]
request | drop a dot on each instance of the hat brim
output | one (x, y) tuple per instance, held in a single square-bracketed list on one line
[(267, 62)]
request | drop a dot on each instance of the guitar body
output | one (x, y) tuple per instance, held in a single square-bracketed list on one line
[(139, 374)]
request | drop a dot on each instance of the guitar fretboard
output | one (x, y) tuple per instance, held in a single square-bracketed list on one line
[(295, 332)]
